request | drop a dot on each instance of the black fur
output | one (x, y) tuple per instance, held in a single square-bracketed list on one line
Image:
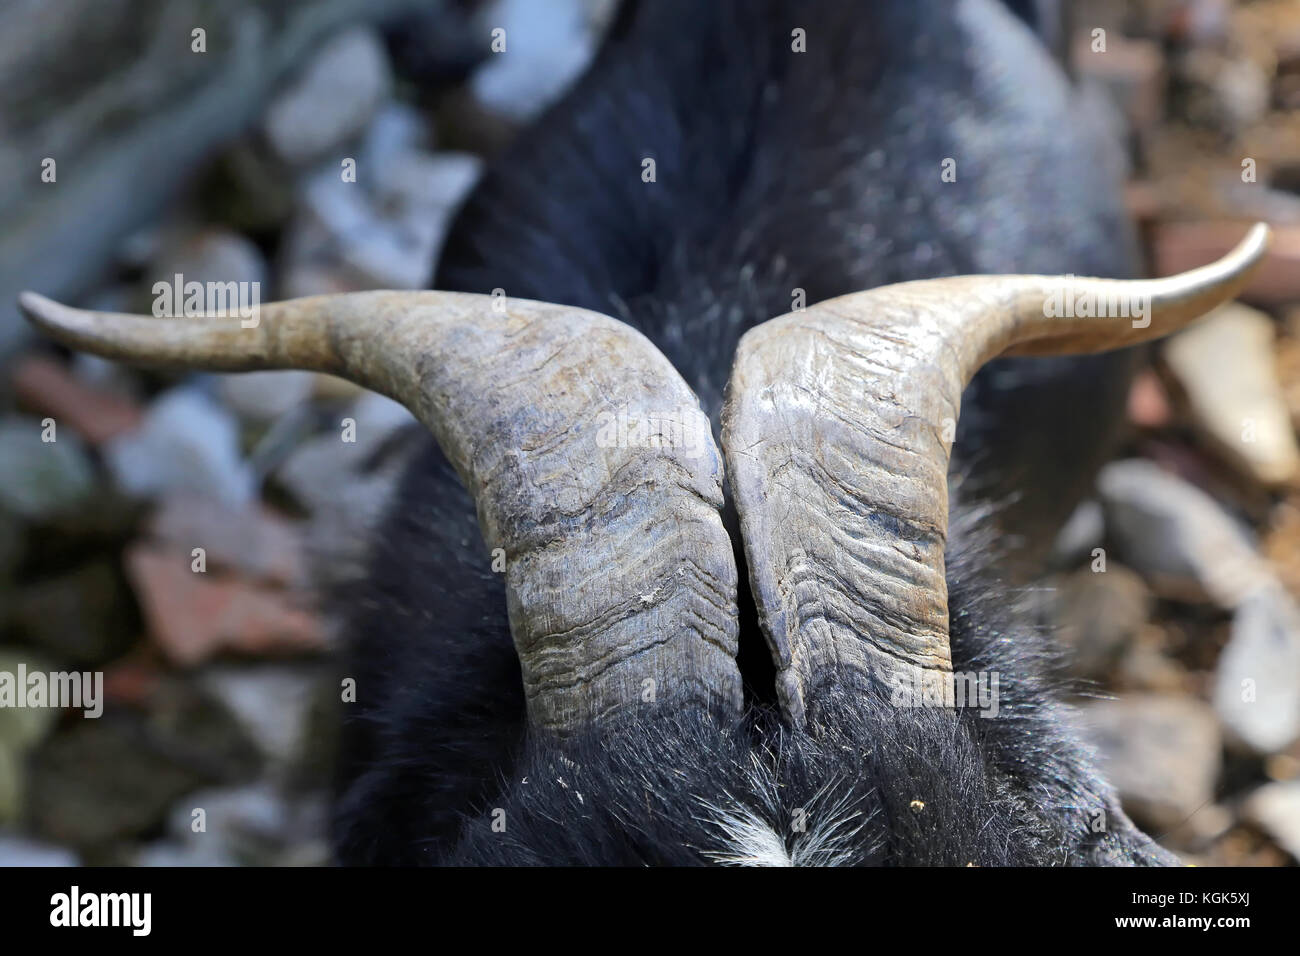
[(774, 171)]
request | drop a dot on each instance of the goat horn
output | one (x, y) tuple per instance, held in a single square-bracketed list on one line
[(620, 578), (838, 426)]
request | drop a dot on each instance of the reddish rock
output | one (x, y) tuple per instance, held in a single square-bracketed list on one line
[(48, 387), (132, 679), (1148, 404), (1179, 246), (255, 541), (193, 617)]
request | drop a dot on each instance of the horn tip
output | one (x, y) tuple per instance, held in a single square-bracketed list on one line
[(39, 309), (1257, 240)]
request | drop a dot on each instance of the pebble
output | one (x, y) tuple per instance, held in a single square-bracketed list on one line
[(1161, 753), (1257, 681), (1225, 365), (332, 99), (1275, 809), (186, 443), (547, 47), (40, 479), (255, 541), (49, 388), (1177, 537), (193, 616)]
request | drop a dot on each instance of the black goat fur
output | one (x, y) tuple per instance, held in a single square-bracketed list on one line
[(774, 171)]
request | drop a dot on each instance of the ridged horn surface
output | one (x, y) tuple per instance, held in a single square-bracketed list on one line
[(838, 426), (589, 459)]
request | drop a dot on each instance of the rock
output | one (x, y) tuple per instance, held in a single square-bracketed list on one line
[(254, 540), (1225, 366), (84, 617), (398, 129), (254, 825), (1084, 531), (1177, 537), (1179, 246), (332, 99), (1146, 667), (133, 678), (118, 776), (382, 232), (1257, 683), (210, 255), (22, 728), (265, 396), (319, 474), (1275, 809), (194, 616), (1241, 91), (171, 853), (40, 479), (546, 48), (49, 388), (12, 783), (1161, 754), (112, 90), (1099, 615), (326, 470), (1281, 544), (271, 702), (1148, 405), (187, 443), (19, 851)]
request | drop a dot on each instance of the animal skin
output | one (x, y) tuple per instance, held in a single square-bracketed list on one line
[(775, 171)]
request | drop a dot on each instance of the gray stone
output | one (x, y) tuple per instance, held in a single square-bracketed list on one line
[(40, 479), (1099, 615), (382, 232), (84, 617), (186, 443), (1161, 753), (547, 47), (265, 396), (1257, 682), (21, 730), (117, 777), (332, 99), (113, 88), (1084, 531), (210, 255), (1178, 537), (271, 702), (326, 471), (1275, 809), (17, 850)]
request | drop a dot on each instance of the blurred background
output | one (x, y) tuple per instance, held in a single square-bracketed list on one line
[(133, 148)]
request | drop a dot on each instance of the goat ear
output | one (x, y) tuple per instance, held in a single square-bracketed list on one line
[(591, 465), (838, 426)]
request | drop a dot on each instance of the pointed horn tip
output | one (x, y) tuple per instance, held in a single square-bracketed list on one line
[(48, 315), (37, 307), (1255, 244)]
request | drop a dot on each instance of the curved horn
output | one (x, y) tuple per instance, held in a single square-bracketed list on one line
[(838, 426), (589, 459)]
